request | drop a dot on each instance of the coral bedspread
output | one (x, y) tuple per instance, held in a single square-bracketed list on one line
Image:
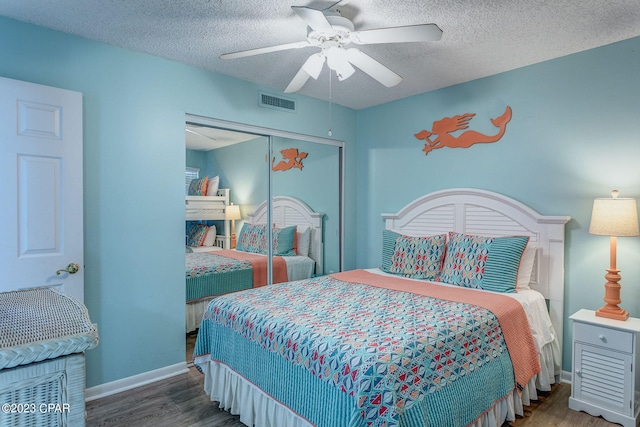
[(259, 266), (393, 354)]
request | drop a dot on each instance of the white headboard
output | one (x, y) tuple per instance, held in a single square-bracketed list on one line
[(288, 211), (474, 211)]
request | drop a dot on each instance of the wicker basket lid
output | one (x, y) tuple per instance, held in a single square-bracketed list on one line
[(42, 323)]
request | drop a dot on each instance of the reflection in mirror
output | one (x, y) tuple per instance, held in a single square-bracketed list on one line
[(233, 164), (300, 194), (310, 172)]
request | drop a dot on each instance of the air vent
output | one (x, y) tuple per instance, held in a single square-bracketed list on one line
[(270, 101)]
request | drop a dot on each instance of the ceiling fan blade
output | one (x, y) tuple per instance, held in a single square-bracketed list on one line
[(261, 50), (410, 33), (298, 81), (314, 18), (373, 67), (337, 4), (311, 68)]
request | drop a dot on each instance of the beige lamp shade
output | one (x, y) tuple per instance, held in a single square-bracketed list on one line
[(232, 212), (614, 217)]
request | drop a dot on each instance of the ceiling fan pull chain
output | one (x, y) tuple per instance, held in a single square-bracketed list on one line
[(330, 133)]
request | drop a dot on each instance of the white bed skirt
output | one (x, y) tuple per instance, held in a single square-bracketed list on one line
[(240, 397), (194, 312)]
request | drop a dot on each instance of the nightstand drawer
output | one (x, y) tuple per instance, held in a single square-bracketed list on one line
[(612, 339)]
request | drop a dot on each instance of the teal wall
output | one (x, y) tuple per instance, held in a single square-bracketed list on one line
[(243, 169), (574, 136), (134, 158), (197, 159)]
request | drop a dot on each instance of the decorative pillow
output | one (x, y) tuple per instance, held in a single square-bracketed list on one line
[(210, 237), (212, 186), (252, 238), (303, 244), (295, 242), (526, 266), (414, 257), (188, 250), (489, 263), (283, 239), (198, 187), (196, 234)]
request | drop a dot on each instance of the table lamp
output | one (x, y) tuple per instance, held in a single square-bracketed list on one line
[(233, 212), (614, 217)]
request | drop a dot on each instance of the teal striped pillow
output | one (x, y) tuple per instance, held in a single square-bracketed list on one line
[(414, 257), (388, 246), (283, 239), (489, 263)]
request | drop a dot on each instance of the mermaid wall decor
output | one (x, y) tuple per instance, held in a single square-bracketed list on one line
[(440, 134), (291, 158)]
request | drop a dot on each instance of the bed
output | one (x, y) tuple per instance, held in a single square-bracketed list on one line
[(217, 271), (315, 352), (210, 208)]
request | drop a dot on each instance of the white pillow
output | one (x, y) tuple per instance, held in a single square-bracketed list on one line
[(210, 237), (526, 266), (212, 186), (304, 241)]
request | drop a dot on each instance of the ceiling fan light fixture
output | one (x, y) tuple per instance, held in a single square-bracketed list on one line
[(313, 65), (338, 61), (344, 71)]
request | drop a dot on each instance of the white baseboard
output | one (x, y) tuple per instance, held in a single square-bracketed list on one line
[(566, 377), (124, 384)]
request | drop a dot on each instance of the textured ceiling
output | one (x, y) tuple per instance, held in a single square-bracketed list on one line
[(480, 38), (204, 138)]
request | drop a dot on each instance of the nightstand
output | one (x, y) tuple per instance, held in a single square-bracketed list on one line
[(605, 380)]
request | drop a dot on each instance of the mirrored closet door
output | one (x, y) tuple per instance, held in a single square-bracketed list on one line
[(263, 176), (310, 172)]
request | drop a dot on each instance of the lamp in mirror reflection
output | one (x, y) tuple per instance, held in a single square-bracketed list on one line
[(232, 212), (614, 217)]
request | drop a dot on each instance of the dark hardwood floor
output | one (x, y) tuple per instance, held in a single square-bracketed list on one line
[(180, 402), (191, 343), (552, 409)]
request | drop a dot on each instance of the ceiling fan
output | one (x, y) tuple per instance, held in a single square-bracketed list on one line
[(328, 30)]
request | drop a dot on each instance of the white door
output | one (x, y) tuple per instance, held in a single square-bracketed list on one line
[(41, 208)]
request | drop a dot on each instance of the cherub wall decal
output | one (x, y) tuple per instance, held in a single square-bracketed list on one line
[(442, 130), (291, 159)]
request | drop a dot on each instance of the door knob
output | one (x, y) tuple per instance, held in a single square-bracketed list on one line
[(71, 269)]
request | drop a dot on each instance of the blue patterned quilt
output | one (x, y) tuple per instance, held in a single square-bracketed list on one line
[(203, 263), (208, 274), (398, 356)]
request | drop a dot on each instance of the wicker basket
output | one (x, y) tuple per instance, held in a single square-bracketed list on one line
[(43, 336)]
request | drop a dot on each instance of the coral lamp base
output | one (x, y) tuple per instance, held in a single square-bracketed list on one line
[(612, 295), (613, 312)]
